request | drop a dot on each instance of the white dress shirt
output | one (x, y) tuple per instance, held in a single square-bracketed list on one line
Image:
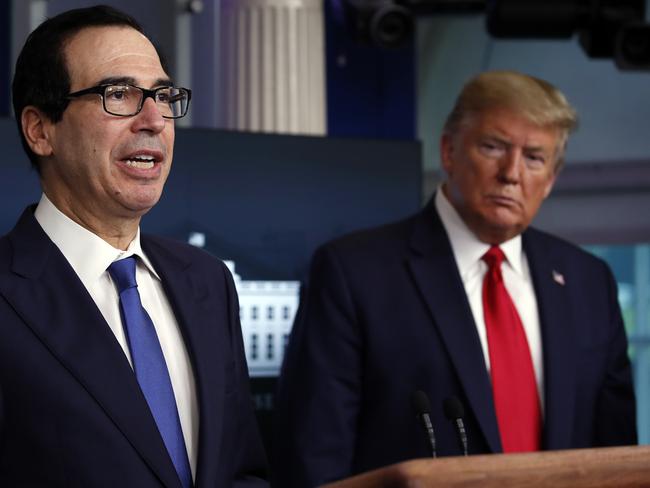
[(468, 251), (90, 257)]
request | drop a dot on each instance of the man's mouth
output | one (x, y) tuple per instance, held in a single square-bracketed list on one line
[(141, 161), (503, 200)]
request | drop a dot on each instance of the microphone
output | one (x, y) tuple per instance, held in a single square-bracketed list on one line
[(422, 408), (454, 411)]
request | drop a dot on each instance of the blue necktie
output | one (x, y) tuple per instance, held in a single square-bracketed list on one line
[(149, 365)]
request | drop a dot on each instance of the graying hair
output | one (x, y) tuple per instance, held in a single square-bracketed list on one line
[(536, 100)]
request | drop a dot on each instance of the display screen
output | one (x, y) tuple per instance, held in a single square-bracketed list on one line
[(263, 203)]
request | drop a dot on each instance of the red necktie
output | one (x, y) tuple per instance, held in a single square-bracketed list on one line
[(513, 377)]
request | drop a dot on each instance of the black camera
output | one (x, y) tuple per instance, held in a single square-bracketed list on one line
[(632, 48), (606, 28), (384, 23)]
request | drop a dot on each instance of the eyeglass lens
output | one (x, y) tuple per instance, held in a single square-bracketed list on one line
[(127, 100)]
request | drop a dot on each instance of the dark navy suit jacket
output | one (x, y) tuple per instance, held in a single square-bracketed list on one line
[(386, 314), (71, 411)]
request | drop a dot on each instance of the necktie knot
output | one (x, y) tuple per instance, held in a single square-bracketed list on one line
[(123, 273), (494, 257)]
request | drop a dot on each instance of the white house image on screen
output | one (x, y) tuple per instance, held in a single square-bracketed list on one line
[(266, 310)]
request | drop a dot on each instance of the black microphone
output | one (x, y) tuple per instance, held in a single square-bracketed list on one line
[(454, 411), (422, 408)]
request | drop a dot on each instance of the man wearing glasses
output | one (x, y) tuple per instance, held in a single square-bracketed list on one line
[(121, 358)]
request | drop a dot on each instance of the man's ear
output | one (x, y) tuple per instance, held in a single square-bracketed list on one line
[(549, 185), (446, 150), (37, 130)]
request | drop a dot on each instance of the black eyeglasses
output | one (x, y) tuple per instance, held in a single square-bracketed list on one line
[(125, 100)]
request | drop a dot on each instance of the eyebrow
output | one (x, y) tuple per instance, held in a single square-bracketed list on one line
[(114, 80), (536, 149), (497, 139), (507, 143)]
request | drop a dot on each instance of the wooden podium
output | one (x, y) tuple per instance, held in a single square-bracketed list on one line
[(611, 467)]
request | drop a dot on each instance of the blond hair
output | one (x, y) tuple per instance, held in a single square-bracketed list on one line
[(536, 100)]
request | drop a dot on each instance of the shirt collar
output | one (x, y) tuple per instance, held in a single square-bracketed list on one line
[(88, 254), (467, 248)]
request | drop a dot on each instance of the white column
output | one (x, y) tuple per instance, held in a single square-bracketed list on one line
[(26, 15), (183, 52), (273, 66)]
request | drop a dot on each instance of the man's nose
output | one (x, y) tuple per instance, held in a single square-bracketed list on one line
[(149, 117), (510, 166)]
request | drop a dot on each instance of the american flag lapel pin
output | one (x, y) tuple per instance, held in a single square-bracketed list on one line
[(558, 278)]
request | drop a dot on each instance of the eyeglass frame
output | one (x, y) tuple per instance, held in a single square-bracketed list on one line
[(146, 93)]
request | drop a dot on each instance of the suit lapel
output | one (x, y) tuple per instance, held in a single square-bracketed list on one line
[(558, 339), (188, 294), (435, 272), (45, 291)]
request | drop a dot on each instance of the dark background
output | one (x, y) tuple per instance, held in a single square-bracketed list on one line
[(263, 201)]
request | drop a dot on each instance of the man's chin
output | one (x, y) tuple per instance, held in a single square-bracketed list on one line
[(498, 227), (138, 207), (504, 230), (504, 217)]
